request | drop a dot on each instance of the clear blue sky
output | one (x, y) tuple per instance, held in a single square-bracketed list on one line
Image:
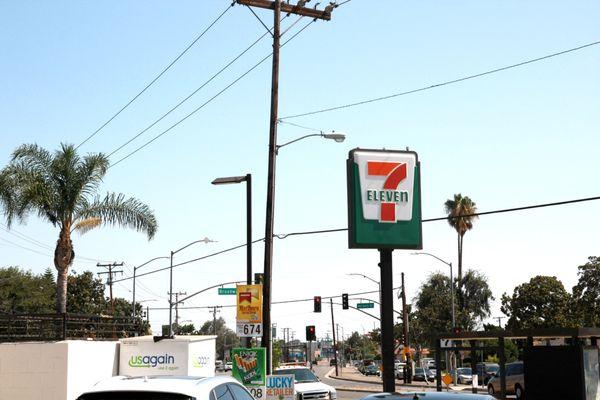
[(524, 136)]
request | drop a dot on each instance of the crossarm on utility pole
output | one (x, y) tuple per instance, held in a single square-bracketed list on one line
[(288, 8)]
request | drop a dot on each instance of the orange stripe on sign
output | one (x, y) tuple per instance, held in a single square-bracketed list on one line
[(380, 167)]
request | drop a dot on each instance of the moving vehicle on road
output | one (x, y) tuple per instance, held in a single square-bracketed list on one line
[(486, 371), (428, 396), (167, 388), (515, 381), (306, 384), (371, 370), (219, 365)]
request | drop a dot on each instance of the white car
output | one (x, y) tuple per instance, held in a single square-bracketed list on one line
[(167, 388), (228, 366), (306, 384)]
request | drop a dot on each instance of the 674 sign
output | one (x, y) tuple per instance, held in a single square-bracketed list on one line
[(249, 329)]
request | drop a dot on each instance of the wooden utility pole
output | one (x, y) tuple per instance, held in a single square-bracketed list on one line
[(406, 343), (214, 313), (110, 273), (335, 357), (177, 307), (278, 7)]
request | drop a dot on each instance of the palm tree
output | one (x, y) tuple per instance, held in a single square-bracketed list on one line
[(460, 216), (61, 188)]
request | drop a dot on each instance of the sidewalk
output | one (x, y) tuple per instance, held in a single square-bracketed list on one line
[(351, 374)]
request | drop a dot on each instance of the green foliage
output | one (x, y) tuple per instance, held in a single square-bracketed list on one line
[(61, 188), (22, 292), (433, 313), (277, 352), (362, 346), (86, 295), (542, 302), (460, 210), (586, 293)]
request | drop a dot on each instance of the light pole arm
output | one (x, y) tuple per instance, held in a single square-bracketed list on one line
[(277, 147), (364, 276), (149, 261), (205, 289), (205, 240), (434, 256)]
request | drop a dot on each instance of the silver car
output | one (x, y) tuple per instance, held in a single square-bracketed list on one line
[(515, 380)]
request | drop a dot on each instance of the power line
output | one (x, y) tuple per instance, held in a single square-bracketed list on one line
[(191, 94), (437, 85), (209, 100), (158, 76), (333, 230)]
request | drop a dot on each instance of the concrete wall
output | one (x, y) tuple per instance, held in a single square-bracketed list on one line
[(54, 370)]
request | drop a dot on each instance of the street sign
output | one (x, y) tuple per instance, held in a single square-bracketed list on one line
[(384, 199), (365, 305), (447, 379), (249, 329), (280, 387), (227, 291), (249, 367)]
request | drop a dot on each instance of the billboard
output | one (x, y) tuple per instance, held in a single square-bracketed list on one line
[(384, 199), (249, 310)]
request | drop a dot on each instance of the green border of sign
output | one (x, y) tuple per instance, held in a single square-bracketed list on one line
[(255, 377), (368, 234)]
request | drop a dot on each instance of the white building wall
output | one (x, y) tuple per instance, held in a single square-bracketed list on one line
[(88, 363)]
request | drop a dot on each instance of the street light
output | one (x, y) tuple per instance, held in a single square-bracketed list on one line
[(205, 240), (134, 274), (270, 220), (371, 279), (337, 137), (451, 280)]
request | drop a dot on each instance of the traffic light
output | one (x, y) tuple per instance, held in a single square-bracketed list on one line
[(317, 304), (345, 301), (310, 333)]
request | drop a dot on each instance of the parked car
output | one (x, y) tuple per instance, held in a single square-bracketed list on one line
[(486, 371), (228, 366), (371, 370), (422, 374), (306, 384), (428, 396), (166, 388), (464, 376), (399, 370), (515, 381), (332, 362), (219, 365)]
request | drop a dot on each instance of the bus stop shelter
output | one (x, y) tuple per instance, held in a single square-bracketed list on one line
[(574, 338)]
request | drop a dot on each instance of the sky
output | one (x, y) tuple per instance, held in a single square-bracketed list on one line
[(518, 137)]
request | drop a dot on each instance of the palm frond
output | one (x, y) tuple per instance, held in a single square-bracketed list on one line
[(115, 209), (87, 225)]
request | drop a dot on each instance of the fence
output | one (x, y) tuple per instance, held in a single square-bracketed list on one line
[(50, 327)]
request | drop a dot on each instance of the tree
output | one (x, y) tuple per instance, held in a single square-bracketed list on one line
[(460, 210), (434, 310), (542, 302), (586, 293), (61, 189), (226, 338), (22, 292), (86, 294)]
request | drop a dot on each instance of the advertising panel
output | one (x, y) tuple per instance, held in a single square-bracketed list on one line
[(384, 199), (249, 310), (280, 387), (250, 369)]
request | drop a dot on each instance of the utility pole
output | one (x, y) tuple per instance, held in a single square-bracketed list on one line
[(278, 7), (408, 367), (177, 294), (499, 321), (110, 273), (335, 357), (214, 313)]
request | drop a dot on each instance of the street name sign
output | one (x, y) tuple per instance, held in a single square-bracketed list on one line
[(227, 291), (384, 199), (365, 305)]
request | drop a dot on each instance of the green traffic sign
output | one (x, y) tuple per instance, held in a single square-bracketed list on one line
[(227, 291), (365, 305)]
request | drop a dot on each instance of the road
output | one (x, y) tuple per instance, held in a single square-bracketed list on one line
[(321, 371)]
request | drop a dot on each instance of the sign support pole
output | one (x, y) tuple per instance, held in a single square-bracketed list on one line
[(335, 357), (387, 320)]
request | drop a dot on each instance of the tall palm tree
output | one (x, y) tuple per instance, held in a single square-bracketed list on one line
[(61, 188), (456, 209)]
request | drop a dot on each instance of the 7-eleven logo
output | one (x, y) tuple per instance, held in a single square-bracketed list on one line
[(389, 196)]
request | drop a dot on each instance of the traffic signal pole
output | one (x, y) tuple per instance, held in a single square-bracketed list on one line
[(387, 320), (334, 341)]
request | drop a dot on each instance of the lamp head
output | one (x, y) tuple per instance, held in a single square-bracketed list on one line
[(338, 137), (229, 180)]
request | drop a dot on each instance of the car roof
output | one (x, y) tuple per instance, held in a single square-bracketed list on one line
[(428, 396), (284, 367), (186, 385)]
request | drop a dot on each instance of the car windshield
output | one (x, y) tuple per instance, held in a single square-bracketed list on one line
[(301, 375), (492, 368), (418, 370), (464, 371), (129, 395)]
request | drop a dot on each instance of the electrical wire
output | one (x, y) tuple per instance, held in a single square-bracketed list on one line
[(446, 83), (158, 76), (321, 231), (209, 100)]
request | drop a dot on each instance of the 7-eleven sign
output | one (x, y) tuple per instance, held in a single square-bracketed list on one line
[(384, 199)]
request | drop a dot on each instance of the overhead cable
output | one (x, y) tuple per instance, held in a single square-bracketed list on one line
[(441, 84), (158, 76)]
